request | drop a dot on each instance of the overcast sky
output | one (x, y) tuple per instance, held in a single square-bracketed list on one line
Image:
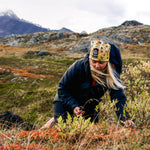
[(79, 15)]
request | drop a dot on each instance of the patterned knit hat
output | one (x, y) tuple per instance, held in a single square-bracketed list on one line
[(100, 50)]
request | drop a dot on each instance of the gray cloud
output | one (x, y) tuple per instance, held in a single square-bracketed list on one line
[(109, 8), (78, 15)]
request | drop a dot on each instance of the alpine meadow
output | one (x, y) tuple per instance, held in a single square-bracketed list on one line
[(31, 67)]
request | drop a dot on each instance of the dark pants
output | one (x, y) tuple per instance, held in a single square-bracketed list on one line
[(59, 110)]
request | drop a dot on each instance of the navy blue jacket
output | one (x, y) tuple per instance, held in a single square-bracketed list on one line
[(75, 88)]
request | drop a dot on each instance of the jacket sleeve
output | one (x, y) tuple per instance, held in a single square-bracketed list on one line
[(67, 85), (121, 100), (120, 96)]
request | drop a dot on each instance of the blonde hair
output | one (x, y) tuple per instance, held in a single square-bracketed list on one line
[(112, 79)]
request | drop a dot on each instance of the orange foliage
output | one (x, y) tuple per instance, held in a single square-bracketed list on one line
[(3, 46), (25, 72), (20, 147), (3, 81), (41, 135), (98, 135)]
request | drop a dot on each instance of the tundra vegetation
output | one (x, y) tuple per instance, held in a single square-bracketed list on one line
[(28, 86)]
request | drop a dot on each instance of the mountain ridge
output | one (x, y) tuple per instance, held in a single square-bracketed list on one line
[(9, 13), (126, 33), (10, 24), (129, 34)]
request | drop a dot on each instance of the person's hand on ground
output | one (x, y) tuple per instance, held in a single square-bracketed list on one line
[(77, 111), (128, 123)]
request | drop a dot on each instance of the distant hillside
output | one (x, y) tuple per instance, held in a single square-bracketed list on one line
[(128, 34), (11, 24), (131, 32), (131, 23)]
